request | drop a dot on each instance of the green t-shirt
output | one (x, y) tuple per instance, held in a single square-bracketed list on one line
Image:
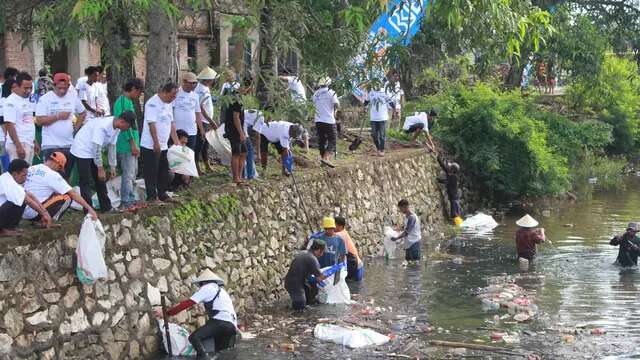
[(123, 104)]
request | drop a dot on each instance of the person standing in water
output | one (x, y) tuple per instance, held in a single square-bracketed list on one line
[(629, 243), (528, 237)]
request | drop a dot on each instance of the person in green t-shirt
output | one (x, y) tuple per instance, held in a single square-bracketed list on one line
[(128, 145)]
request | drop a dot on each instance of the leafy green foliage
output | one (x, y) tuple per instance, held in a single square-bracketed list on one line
[(511, 147)]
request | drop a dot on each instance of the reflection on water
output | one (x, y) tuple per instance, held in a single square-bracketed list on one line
[(574, 280)]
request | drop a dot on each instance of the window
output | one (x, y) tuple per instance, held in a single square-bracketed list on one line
[(192, 54)]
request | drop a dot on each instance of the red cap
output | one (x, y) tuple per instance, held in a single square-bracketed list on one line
[(59, 157), (61, 77)]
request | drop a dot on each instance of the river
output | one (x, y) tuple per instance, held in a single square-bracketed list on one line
[(575, 282)]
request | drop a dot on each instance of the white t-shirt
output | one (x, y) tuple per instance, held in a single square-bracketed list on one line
[(417, 118), (158, 112), (325, 100), (223, 302), (10, 190), (227, 85), (43, 182), (2, 137), (254, 119), (103, 98), (396, 94), (185, 107), (19, 111), (204, 98), (277, 131), (379, 105), (60, 133), (99, 131), (90, 94), (298, 92), (81, 80)]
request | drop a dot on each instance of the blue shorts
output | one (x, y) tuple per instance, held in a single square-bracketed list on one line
[(413, 252)]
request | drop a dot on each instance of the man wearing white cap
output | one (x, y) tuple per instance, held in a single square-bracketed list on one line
[(206, 78), (528, 236), (222, 322)]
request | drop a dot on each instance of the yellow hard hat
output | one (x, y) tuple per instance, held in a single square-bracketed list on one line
[(457, 220), (328, 223)]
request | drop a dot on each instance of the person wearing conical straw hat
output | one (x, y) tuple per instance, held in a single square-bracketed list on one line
[(527, 237), (222, 320)]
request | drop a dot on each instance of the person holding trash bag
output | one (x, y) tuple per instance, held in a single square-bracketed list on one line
[(335, 251), (412, 232), (355, 266), (629, 243), (222, 320), (302, 267), (527, 237)]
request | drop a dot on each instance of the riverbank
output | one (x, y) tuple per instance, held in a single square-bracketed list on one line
[(247, 235)]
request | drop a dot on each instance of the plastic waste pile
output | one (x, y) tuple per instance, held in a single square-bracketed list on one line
[(503, 294), (352, 337), (478, 224)]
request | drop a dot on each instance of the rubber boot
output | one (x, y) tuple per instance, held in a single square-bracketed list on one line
[(199, 348)]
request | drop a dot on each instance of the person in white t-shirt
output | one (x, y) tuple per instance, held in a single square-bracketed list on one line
[(52, 190), (221, 325), (87, 149), (158, 127), (295, 87), (14, 199), (326, 101), (279, 134), (379, 106), (102, 92), (394, 89), (18, 121), (418, 124), (89, 93), (54, 113), (186, 109), (206, 79)]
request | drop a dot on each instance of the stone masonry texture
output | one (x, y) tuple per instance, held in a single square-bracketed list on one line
[(248, 236)]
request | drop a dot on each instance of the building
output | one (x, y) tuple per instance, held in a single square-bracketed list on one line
[(204, 39)]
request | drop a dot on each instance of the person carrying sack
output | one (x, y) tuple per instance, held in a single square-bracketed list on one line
[(222, 320)]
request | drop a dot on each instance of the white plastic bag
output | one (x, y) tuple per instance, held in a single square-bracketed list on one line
[(389, 249), (180, 345), (182, 160), (335, 294), (479, 223), (352, 337), (113, 192), (90, 252), (220, 145)]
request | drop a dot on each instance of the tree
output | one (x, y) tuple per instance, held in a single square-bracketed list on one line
[(161, 50)]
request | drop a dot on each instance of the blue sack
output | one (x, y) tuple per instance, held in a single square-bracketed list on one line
[(288, 162)]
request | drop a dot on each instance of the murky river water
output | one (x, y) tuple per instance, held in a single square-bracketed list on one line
[(575, 283)]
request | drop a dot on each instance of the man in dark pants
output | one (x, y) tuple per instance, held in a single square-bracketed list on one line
[(326, 101), (411, 232), (158, 127), (14, 199), (451, 180), (88, 147), (302, 267), (221, 325), (629, 243)]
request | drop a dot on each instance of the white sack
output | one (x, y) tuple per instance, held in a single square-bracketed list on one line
[(182, 160), (352, 337), (220, 145), (113, 192), (389, 249), (479, 223), (335, 294), (180, 345), (90, 252)]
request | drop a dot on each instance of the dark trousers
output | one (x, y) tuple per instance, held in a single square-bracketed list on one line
[(222, 332), (10, 215), (413, 252), (68, 167), (302, 295), (327, 134), (56, 206), (202, 148), (87, 170), (379, 134), (155, 169), (456, 210)]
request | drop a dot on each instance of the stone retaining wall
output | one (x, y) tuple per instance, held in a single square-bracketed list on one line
[(246, 235)]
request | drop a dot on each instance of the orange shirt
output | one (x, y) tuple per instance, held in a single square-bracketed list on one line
[(348, 243)]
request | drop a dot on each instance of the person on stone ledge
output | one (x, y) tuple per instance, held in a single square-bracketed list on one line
[(411, 232), (355, 266), (629, 246), (222, 323), (451, 180), (14, 199), (296, 282)]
